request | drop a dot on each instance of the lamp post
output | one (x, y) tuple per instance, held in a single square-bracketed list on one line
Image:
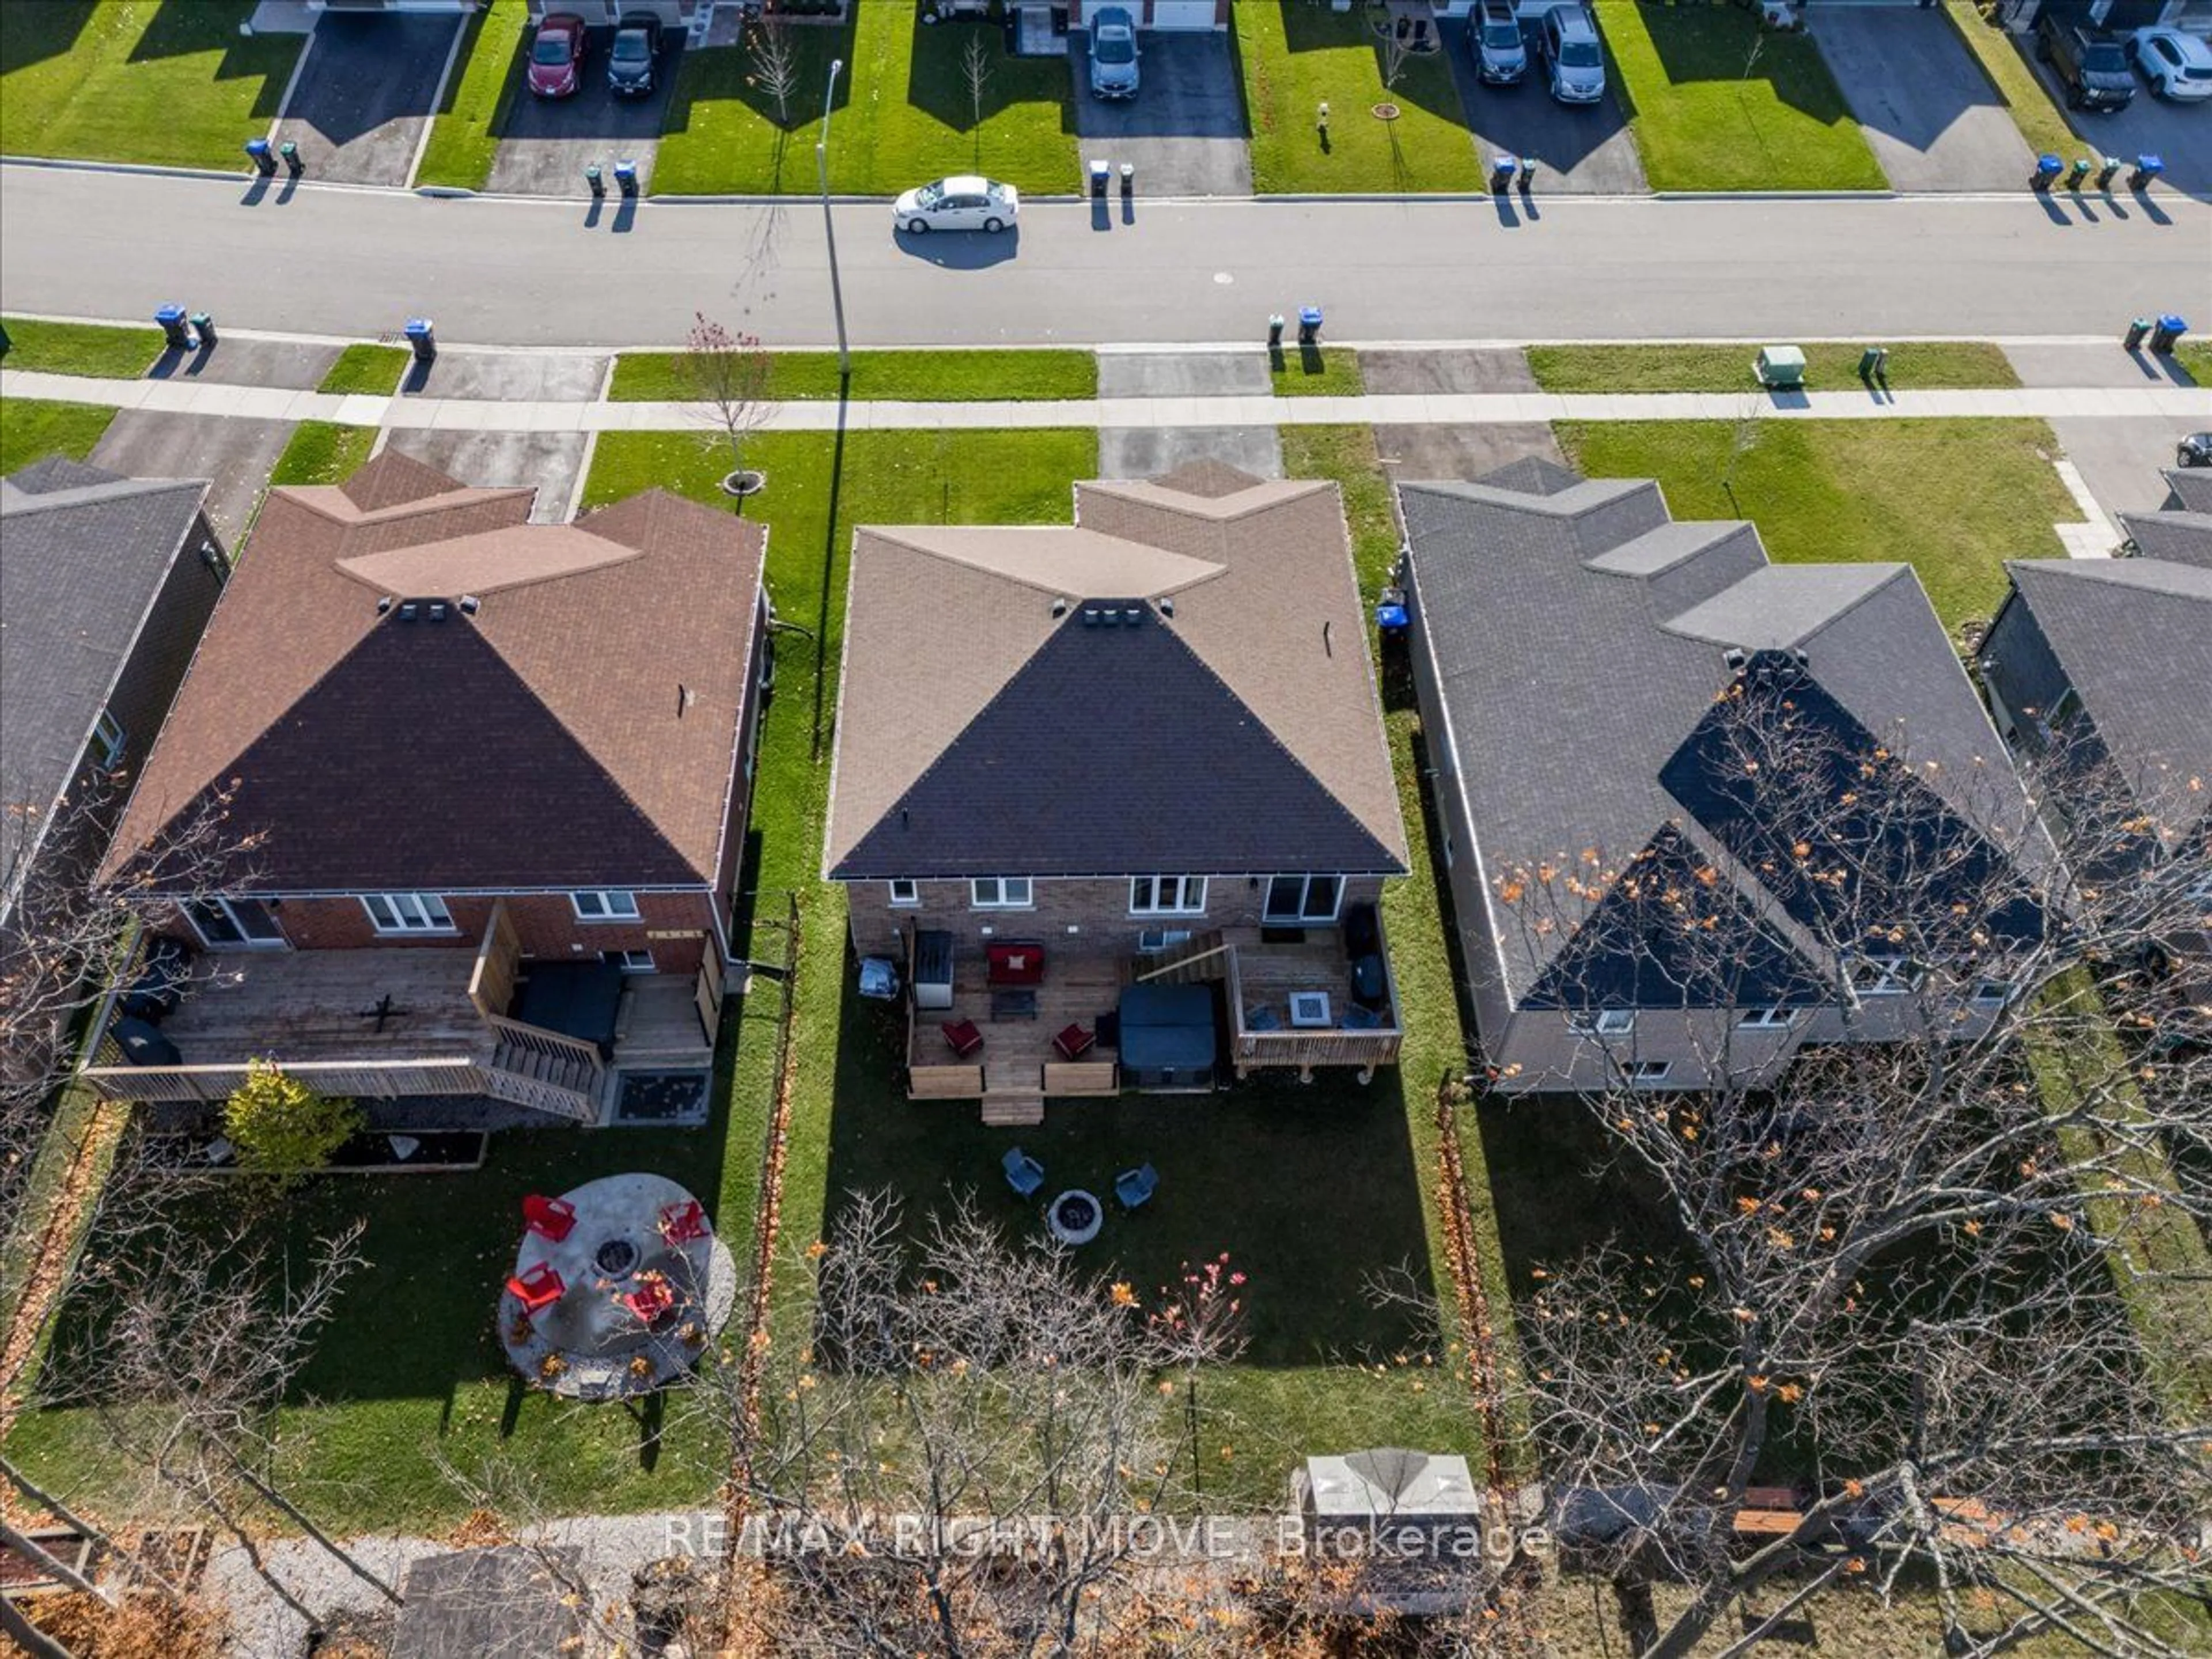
[(829, 223)]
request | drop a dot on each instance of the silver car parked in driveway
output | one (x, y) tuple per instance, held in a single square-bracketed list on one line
[(963, 202), (1113, 53), (1574, 63)]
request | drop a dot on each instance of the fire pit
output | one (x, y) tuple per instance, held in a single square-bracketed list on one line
[(1075, 1217), (615, 1257)]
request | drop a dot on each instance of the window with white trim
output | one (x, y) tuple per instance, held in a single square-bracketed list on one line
[(1647, 1073), (906, 892), (604, 904), (1167, 895), (108, 734), (1765, 1019), (1602, 1022), (407, 913), (1294, 901), (1000, 893), (630, 962), (242, 922), (1885, 976)]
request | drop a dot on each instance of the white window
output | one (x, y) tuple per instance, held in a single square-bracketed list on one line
[(1602, 1022), (1647, 1073), (906, 892), (1992, 993), (630, 962), (407, 913), (605, 905), (107, 733), (243, 922), (1294, 901), (999, 892), (1885, 976), (1765, 1019), (1151, 941), (1167, 895)]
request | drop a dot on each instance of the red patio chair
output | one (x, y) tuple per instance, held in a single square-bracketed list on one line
[(540, 1287), (549, 1217), (649, 1301), (680, 1223), (963, 1035), (1074, 1042)]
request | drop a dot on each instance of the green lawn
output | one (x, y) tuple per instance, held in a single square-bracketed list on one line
[(322, 453), (97, 349), (1834, 367), (31, 428), (374, 369), (1316, 372), (464, 137), (903, 113), (2017, 85), (2196, 359), (1297, 56), (1953, 498), (161, 80), (1718, 103), (915, 376)]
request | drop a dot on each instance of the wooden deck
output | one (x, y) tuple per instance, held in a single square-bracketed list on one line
[(310, 1005), (659, 1023), (1017, 1060), (1265, 975)]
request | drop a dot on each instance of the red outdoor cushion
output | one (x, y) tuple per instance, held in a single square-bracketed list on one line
[(963, 1035), (1074, 1041), (1016, 964)]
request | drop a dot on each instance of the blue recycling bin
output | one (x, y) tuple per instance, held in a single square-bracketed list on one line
[(423, 338), (1502, 169), (257, 151), (176, 328), (1100, 171), (1309, 325), (2047, 169), (2148, 168), (626, 177), (1390, 617), (2168, 332)]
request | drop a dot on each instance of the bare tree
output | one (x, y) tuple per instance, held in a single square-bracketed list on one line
[(946, 1393), (1395, 51), (729, 373), (774, 51), (976, 62), (1939, 1272)]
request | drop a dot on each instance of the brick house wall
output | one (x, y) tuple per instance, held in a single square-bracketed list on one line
[(1091, 915)]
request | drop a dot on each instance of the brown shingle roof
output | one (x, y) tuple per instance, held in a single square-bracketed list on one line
[(1252, 580), (579, 728)]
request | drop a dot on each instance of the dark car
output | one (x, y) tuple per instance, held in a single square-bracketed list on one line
[(2089, 63), (631, 59), (2195, 450), (557, 57)]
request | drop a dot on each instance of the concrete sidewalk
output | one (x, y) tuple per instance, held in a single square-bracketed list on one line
[(486, 415)]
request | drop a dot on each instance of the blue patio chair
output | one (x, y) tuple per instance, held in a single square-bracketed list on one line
[(1023, 1173), (1136, 1187)]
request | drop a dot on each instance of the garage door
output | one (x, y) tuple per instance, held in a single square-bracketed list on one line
[(1182, 14)]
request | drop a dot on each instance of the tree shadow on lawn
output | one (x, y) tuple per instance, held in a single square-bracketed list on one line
[(1312, 1189), (1719, 43), (936, 77), (182, 29)]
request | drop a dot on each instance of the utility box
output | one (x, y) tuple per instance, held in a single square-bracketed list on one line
[(1779, 368)]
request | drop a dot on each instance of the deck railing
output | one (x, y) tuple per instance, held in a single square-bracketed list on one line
[(381, 1079)]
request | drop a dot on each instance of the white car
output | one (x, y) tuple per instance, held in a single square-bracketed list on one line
[(964, 201), (2177, 65)]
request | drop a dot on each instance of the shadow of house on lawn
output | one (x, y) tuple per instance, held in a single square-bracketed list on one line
[(1725, 43), (182, 29), (717, 75), (1426, 81), (30, 34), (1312, 1189), (938, 83)]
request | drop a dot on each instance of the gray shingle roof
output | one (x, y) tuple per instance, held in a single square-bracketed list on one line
[(2191, 487), (87, 554), (1580, 638), (2182, 537)]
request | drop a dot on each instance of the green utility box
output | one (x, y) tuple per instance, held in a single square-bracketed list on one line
[(1779, 367)]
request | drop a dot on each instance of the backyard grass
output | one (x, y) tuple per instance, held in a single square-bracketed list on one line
[(1316, 372), (1295, 58), (942, 377), (903, 113), (465, 135), (95, 349), (1832, 367), (155, 81), (322, 453), (32, 427), (2031, 107), (374, 369), (1953, 498), (1718, 103)]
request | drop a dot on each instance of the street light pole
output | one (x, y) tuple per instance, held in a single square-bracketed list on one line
[(829, 223)]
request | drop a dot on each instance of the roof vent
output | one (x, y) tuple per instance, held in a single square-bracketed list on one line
[(1134, 616), (685, 696), (1167, 607), (383, 603), (470, 604), (1059, 607), (1109, 617), (1091, 615), (437, 611), (407, 611), (1734, 657)]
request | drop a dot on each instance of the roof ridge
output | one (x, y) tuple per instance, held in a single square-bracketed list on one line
[(1118, 487), (442, 501), (122, 489)]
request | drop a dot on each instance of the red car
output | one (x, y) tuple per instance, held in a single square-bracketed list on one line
[(557, 57)]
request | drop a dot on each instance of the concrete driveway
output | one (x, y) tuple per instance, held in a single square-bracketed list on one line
[(237, 454), (547, 142), (1579, 151), (2179, 134), (1185, 130), (1929, 115), (366, 93), (2121, 459), (551, 463)]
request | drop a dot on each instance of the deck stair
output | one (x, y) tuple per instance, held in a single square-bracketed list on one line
[(1201, 957), (1011, 1113)]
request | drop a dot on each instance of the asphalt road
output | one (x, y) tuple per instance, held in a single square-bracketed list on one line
[(493, 272)]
